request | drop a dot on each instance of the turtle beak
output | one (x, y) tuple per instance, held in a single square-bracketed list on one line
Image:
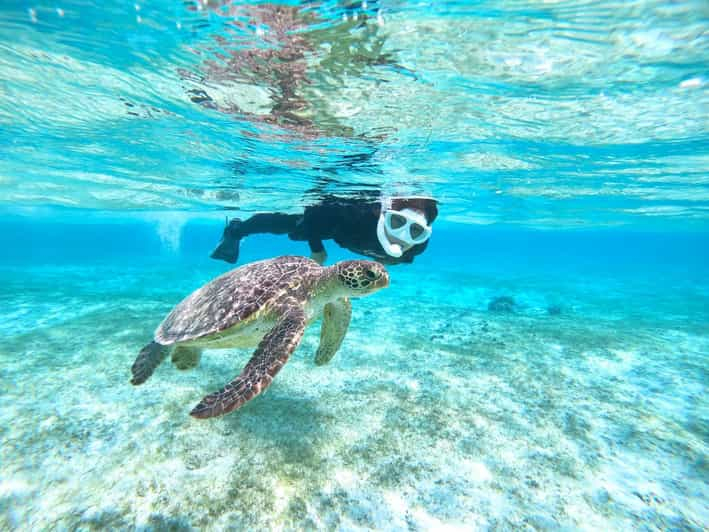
[(383, 281)]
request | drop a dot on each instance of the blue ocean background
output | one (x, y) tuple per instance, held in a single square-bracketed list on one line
[(567, 144)]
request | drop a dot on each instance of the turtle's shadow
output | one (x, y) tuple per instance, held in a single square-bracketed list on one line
[(278, 413), (296, 425)]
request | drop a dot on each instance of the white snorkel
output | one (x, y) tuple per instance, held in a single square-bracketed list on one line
[(393, 250), (399, 230)]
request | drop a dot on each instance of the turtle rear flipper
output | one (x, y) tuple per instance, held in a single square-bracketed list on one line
[(271, 354), (148, 359), (184, 357), (336, 320)]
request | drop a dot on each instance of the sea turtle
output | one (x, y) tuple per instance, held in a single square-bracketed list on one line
[(269, 304)]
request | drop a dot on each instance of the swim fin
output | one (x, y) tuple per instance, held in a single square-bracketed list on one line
[(228, 248)]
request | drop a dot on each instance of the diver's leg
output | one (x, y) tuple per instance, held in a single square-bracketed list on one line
[(275, 223)]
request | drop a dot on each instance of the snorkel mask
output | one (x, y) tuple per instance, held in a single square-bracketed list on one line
[(398, 230)]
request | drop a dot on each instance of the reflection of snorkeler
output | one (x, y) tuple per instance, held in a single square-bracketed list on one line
[(391, 230), (297, 59)]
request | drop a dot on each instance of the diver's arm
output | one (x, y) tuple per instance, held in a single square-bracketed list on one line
[(317, 250)]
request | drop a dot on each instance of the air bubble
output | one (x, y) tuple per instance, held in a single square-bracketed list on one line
[(692, 83)]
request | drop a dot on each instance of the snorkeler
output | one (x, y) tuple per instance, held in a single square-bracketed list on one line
[(390, 230)]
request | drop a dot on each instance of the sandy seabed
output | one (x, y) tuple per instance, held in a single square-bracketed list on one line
[(437, 413)]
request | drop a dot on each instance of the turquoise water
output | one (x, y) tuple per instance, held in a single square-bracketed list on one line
[(567, 145)]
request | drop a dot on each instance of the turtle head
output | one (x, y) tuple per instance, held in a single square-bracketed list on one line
[(361, 277)]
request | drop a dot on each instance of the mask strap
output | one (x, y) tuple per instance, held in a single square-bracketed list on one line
[(385, 203)]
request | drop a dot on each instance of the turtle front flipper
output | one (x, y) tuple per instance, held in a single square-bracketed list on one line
[(336, 320), (148, 359), (271, 354)]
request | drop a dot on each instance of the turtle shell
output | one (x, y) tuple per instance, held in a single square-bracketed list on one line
[(238, 296)]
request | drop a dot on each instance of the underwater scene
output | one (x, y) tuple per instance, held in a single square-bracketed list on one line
[(354, 265)]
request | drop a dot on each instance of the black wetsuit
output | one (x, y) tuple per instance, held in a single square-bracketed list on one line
[(352, 223)]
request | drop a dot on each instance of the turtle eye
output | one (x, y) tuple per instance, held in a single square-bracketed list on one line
[(371, 275)]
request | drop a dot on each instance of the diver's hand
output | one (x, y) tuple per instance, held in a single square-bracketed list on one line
[(319, 256)]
